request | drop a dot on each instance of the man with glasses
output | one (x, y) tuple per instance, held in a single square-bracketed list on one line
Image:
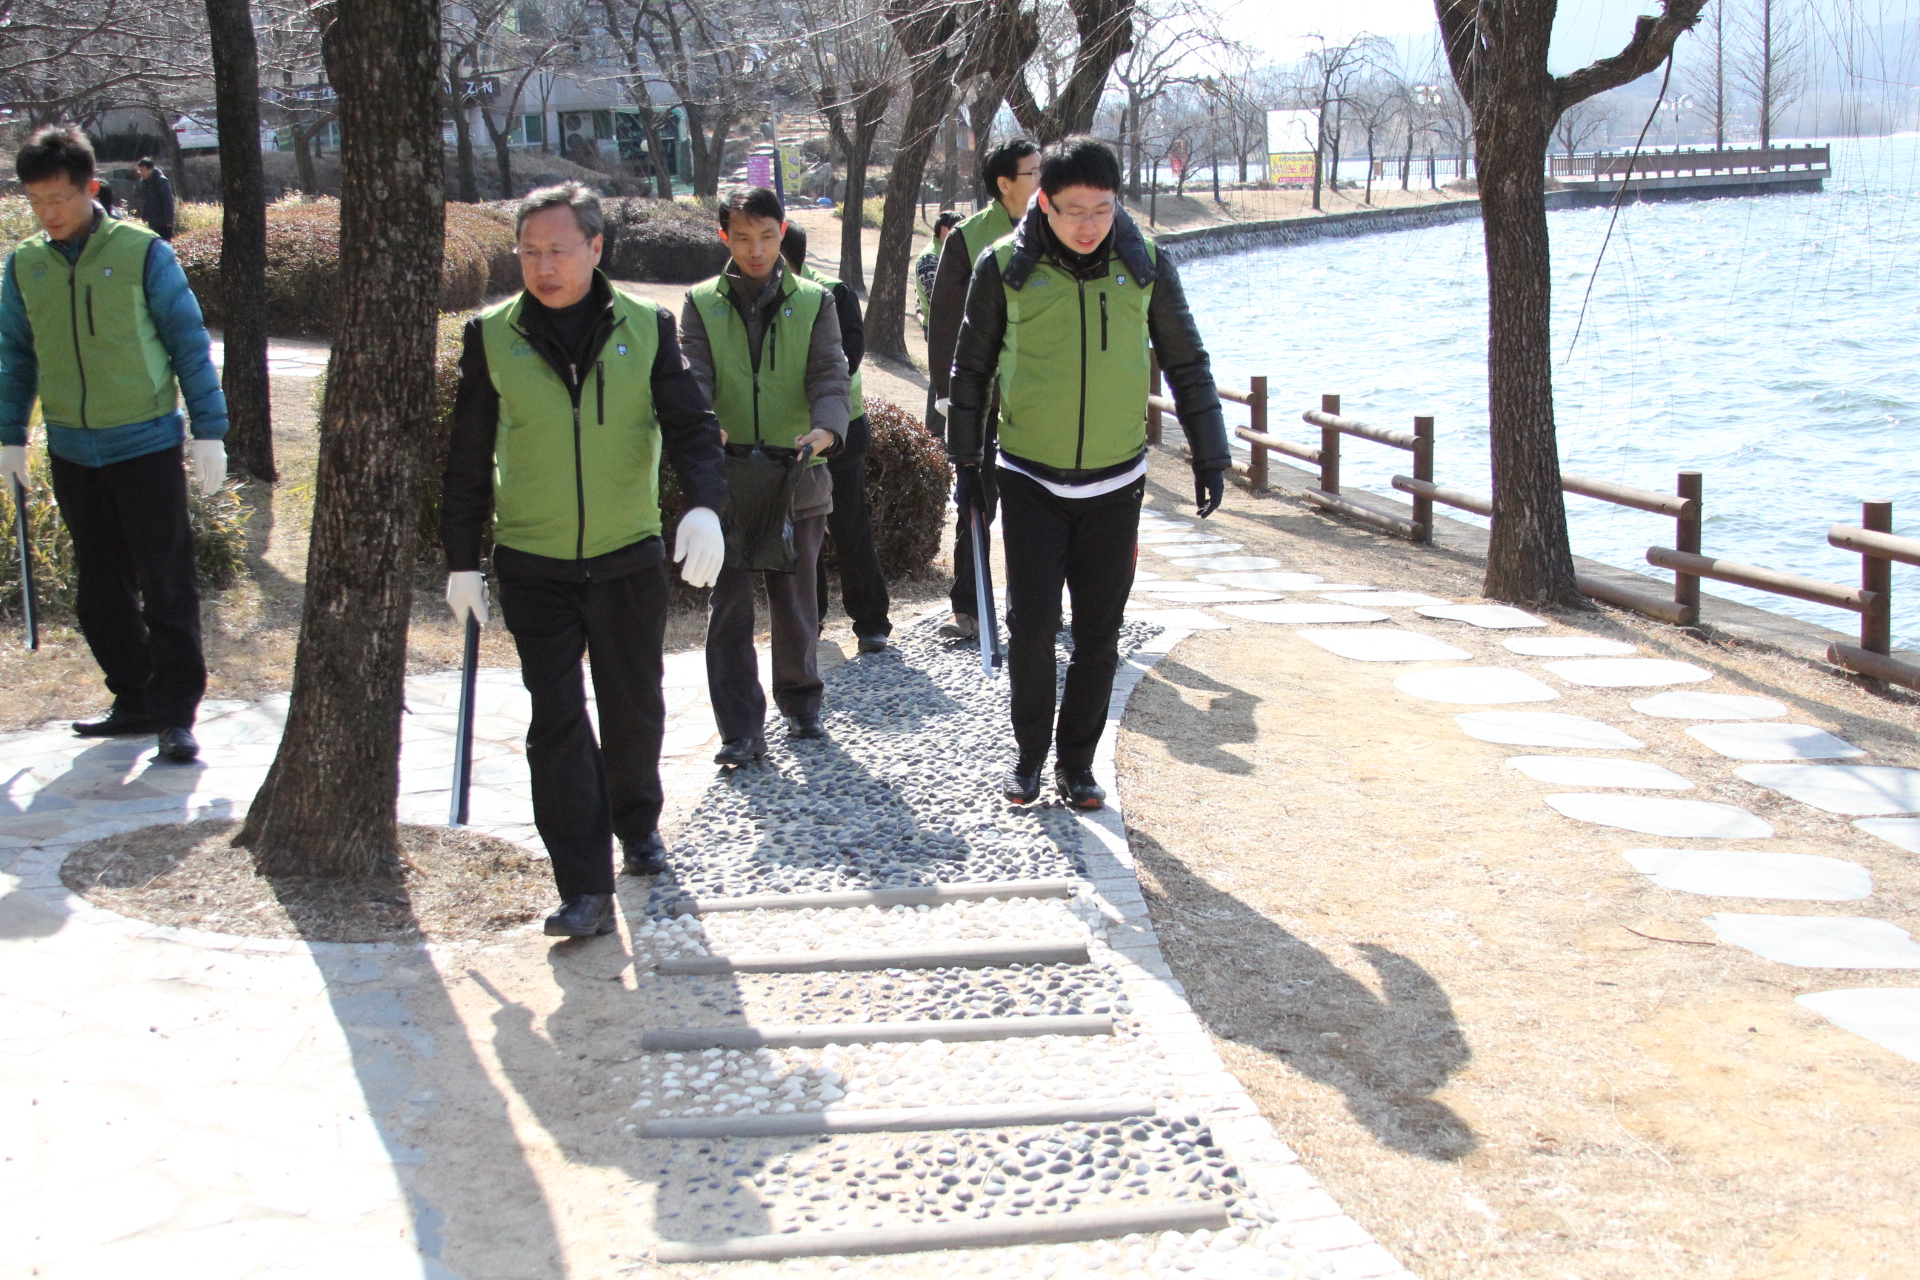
[(1061, 316), (569, 395), (97, 321)]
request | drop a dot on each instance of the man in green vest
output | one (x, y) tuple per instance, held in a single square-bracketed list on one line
[(765, 345), (1062, 316), (97, 322), (570, 393), (1011, 175)]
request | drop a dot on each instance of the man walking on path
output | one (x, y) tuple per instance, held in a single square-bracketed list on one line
[(1012, 172), (569, 394), (1063, 313), (765, 345), (863, 584), (153, 198), (96, 319)]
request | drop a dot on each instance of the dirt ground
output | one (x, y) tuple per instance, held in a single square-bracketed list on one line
[(1504, 1051)]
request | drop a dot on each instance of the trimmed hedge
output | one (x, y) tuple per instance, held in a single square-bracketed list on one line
[(662, 241)]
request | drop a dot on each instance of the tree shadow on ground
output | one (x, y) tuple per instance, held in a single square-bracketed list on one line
[(1195, 736), (1252, 982)]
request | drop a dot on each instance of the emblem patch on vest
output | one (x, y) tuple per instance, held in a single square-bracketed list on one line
[(106, 271), (789, 313), (1039, 281), (1120, 279), (621, 348)]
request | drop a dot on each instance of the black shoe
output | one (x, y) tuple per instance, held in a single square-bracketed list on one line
[(1022, 783), (806, 725), (178, 746), (646, 857), (963, 627), (1078, 789), (735, 752), (873, 644), (584, 915), (118, 723)]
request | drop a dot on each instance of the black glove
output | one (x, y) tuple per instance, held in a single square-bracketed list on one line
[(1208, 488), (967, 494)]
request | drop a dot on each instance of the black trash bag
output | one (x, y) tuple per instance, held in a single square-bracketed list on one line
[(758, 521)]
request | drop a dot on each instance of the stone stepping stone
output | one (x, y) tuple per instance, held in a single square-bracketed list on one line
[(1888, 1016), (1840, 788), (1179, 586), (1591, 771), (1208, 547), (1565, 646), (1229, 563), (1178, 619), (1267, 581), (1545, 729), (1688, 705), (1751, 873), (1383, 599), (1155, 536), (1485, 686), (1300, 614), (1773, 741), (1819, 942), (1901, 833), (1210, 597), (1142, 575), (1385, 644), (1628, 673), (1500, 617), (1651, 816)]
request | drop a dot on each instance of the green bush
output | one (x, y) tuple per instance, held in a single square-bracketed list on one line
[(870, 210), (490, 226), (17, 221), (661, 240)]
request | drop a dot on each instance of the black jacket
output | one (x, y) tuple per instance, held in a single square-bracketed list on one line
[(153, 199), (1170, 327), (690, 439)]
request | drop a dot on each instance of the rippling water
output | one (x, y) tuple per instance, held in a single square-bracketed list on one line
[(1768, 341)]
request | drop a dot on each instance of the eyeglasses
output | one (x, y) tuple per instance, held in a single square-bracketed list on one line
[(1083, 216), (534, 257), (46, 204)]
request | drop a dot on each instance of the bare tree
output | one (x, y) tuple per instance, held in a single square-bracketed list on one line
[(1102, 31), (1377, 111), (1771, 63), (243, 239), (1329, 76), (1580, 122), (466, 33), (71, 60), (1499, 58), (301, 99), (1162, 56), (528, 40), (1707, 78), (854, 67)]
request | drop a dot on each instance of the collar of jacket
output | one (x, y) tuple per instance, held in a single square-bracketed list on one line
[(1030, 246), (777, 287), (541, 337)]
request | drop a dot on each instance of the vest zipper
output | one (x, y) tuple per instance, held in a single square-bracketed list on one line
[(91, 333), (600, 389), (1080, 446), (73, 308), (1103, 322), (579, 469)]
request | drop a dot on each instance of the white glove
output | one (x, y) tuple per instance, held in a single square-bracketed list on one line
[(700, 548), (209, 465), (467, 593), (13, 465), (944, 406)]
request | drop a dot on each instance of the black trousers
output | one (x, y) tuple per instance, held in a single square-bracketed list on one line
[(586, 791), (964, 596), (863, 584), (137, 602), (1087, 544), (733, 669)]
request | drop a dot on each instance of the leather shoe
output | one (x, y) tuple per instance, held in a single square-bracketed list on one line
[(806, 725), (116, 724), (647, 857), (178, 745), (584, 915), (735, 752), (1022, 783), (873, 644), (963, 627), (1078, 789)]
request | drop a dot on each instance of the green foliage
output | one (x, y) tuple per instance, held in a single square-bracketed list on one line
[(446, 380), (661, 240), (17, 221), (869, 214)]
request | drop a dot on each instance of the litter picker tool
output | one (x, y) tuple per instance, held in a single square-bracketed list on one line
[(463, 727), (983, 595), (26, 564)]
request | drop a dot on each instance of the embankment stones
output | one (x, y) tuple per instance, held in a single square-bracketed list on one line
[(1301, 614), (1484, 686), (1628, 673), (1594, 771), (1492, 616), (1650, 816), (1381, 599), (1229, 563), (1840, 788), (1688, 705), (1266, 581), (1888, 1016), (1565, 646), (1819, 942), (1773, 741), (1751, 873), (1385, 644), (1902, 833), (1545, 729)]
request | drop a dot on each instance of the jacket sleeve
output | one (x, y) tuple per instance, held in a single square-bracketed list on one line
[(183, 332), (688, 429), (1189, 373), (853, 328), (466, 485), (695, 349), (976, 357), (829, 385), (163, 198), (948, 301), (19, 364)]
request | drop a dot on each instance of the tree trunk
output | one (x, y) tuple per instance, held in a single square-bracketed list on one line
[(981, 111), (303, 164), (656, 155), (950, 161), (1766, 74), (462, 138), (243, 239), (328, 805), (853, 211), (887, 303), (502, 150)]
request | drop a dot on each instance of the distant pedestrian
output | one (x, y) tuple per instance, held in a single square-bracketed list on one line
[(109, 202), (153, 198), (927, 266)]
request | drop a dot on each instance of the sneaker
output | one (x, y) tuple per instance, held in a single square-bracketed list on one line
[(963, 627), (1078, 789), (873, 644), (1022, 783)]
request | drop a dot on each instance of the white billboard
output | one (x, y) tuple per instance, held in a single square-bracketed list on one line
[(1291, 131)]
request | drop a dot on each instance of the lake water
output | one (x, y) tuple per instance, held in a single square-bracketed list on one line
[(1771, 342)]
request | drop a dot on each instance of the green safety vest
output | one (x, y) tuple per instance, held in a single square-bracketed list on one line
[(984, 228), (768, 404), (856, 394), (575, 480), (1075, 366), (102, 363)]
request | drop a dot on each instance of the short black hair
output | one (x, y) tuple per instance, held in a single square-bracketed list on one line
[(755, 202), (1004, 162), (1079, 162), (144, 162), (56, 151), (948, 220), (793, 246)]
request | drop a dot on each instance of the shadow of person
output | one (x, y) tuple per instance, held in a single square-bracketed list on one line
[(1193, 734), (1252, 982)]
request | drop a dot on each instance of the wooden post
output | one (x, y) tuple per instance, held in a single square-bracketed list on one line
[(1686, 537), (1423, 470), (1153, 410), (1876, 574), (1257, 472), (1330, 448)]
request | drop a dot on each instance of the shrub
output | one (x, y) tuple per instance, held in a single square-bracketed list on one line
[(17, 221), (661, 240), (433, 457), (490, 226), (870, 210)]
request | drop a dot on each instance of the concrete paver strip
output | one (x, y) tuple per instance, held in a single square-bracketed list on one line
[(1820, 942), (1683, 819), (1545, 729), (1753, 873), (1773, 741), (1596, 771), (1867, 790), (1691, 705), (1890, 1017), (1482, 686)]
